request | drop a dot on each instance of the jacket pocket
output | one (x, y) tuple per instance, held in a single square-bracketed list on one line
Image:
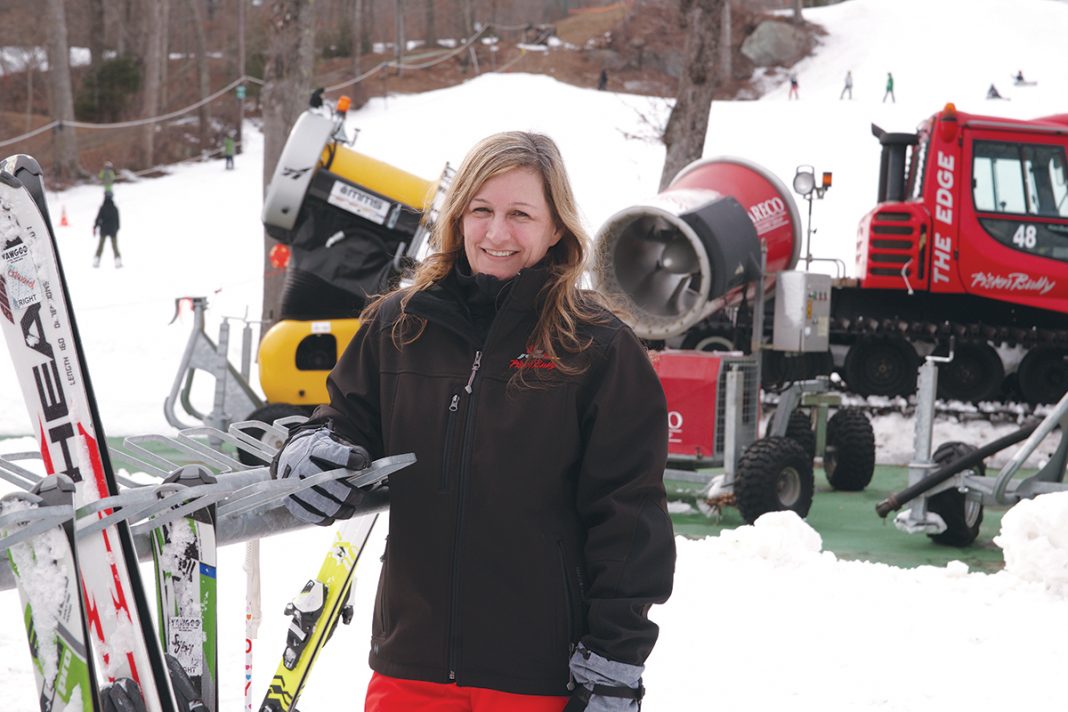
[(447, 450), (570, 604), (380, 622)]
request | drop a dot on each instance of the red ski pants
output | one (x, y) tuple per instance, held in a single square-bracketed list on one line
[(390, 694)]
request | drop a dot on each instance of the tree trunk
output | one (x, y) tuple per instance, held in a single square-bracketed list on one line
[(797, 11), (240, 102), (367, 43), (150, 63), (286, 87), (399, 41), (31, 69), (96, 32), (684, 135), (65, 163), (431, 33), (203, 78), (357, 31), (467, 16), (164, 48), (725, 70)]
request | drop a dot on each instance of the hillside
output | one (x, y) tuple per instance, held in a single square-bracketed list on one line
[(639, 46)]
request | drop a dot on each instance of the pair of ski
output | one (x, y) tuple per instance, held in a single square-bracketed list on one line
[(35, 316), (112, 610)]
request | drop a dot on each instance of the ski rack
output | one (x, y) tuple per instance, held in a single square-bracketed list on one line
[(232, 390), (249, 502)]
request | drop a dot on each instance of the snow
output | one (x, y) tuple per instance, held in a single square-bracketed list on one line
[(762, 618)]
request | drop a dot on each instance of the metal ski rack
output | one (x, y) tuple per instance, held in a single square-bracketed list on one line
[(249, 503), (233, 394)]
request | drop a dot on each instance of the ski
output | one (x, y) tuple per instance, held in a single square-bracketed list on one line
[(46, 574), (315, 612), (42, 336), (184, 557)]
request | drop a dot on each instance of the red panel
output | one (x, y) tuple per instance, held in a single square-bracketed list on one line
[(689, 379)]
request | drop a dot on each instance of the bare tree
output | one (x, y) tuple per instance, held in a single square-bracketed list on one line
[(242, 6), (286, 87), (164, 49), (467, 16), (431, 35), (65, 163), (203, 78), (358, 31), (367, 42), (96, 32), (151, 84), (684, 135), (725, 67), (399, 41)]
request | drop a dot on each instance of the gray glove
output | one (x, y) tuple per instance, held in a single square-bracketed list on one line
[(603, 685), (310, 452)]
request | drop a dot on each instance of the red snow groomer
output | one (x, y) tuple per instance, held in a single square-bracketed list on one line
[(969, 240)]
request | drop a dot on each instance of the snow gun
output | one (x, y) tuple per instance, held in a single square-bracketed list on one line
[(353, 225)]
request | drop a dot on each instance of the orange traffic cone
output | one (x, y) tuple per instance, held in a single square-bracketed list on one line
[(63, 217)]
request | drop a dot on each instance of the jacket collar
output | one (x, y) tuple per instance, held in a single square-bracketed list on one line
[(444, 302)]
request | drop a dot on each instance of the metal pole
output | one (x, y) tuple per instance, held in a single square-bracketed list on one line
[(808, 234)]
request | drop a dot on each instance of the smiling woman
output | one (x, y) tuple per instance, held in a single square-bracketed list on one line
[(531, 536), (508, 225)]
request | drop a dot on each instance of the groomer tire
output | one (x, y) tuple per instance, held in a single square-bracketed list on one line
[(963, 515)]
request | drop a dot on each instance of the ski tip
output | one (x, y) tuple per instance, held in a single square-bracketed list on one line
[(21, 163)]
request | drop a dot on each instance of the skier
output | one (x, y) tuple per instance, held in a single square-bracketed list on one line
[(793, 87), (889, 88), (602, 81), (529, 539), (228, 150), (848, 86), (107, 176), (107, 224), (1019, 78), (992, 93)]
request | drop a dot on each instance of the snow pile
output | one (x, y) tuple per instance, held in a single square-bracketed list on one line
[(1034, 539), (780, 538)]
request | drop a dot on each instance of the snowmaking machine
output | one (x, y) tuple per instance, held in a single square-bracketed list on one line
[(707, 251), (352, 225)]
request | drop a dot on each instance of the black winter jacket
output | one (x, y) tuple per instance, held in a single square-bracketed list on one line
[(534, 518), (107, 218)]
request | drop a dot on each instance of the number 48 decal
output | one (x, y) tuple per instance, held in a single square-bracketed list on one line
[(1025, 237)]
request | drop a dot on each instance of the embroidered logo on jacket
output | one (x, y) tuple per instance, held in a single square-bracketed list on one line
[(533, 358)]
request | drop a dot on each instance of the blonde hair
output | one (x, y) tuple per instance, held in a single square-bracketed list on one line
[(564, 305)]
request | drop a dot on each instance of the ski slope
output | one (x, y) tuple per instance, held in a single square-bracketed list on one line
[(762, 619)]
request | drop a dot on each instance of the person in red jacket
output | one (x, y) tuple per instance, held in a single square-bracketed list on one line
[(529, 540)]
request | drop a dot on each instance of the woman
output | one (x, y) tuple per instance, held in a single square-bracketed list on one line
[(528, 542)]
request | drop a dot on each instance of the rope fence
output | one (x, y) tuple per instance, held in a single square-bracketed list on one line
[(388, 64)]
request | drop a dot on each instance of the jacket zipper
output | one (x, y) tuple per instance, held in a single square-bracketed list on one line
[(450, 426), (454, 613)]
